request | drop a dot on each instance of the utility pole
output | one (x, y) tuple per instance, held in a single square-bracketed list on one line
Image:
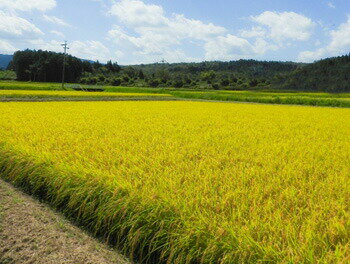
[(65, 47)]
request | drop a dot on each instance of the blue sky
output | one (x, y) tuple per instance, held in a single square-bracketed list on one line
[(146, 31)]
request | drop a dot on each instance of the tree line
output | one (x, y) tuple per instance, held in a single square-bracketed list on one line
[(330, 75), (242, 74), (326, 75)]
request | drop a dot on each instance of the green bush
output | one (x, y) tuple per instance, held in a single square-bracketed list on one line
[(8, 75)]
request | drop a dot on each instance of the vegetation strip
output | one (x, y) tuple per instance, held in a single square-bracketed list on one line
[(46, 90), (159, 180)]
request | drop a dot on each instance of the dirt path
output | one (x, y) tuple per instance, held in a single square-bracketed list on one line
[(30, 232)]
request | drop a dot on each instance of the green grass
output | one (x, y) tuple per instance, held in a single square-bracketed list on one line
[(314, 99), (263, 96)]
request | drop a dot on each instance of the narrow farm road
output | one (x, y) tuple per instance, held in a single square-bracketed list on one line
[(30, 232)]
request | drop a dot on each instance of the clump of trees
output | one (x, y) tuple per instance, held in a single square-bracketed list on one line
[(330, 75), (46, 66)]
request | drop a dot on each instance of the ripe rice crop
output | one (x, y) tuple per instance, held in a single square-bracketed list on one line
[(190, 182), (71, 94)]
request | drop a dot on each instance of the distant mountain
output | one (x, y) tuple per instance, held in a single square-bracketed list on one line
[(331, 75), (91, 61), (5, 60)]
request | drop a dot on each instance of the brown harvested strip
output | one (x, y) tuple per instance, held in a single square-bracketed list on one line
[(30, 232)]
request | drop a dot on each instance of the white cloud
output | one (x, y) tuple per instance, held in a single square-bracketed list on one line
[(92, 50), (57, 33), (14, 26), (225, 47), (138, 13), (338, 45), (285, 25), (340, 38), (52, 45), (253, 32), (55, 20), (231, 47), (156, 35), (150, 35), (330, 4), (261, 46), (6, 47), (27, 5)]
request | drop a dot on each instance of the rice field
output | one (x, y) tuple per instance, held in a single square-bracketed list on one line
[(190, 182), (47, 94), (252, 96), (271, 97)]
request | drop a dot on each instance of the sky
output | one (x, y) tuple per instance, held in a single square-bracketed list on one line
[(148, 31)]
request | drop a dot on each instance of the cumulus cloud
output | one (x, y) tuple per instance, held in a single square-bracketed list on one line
[(285, 25), (13, 26), (55, 20), (339, 44), (146, 29), (26, 5), (145, 18), (156, 35), (253, 32), (231, 47), (92, 50), (138, 13)]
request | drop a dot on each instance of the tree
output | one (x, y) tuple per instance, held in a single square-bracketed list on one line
[(163, 75), (208, 76), (45, 66), (153, 82), (141, 75), (253, 83), (112, 67), (225, 82), (130, 71)]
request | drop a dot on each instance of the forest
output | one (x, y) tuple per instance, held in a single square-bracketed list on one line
[(330, 75)]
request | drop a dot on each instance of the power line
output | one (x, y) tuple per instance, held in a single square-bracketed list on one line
[(65, 47)]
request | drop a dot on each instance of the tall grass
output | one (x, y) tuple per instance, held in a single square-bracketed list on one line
[(190, 182)]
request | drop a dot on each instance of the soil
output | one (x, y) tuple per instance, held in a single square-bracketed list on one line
[(31, 232)]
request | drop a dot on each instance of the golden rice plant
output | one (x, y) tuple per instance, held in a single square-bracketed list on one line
[(190, 182), (72, 94)]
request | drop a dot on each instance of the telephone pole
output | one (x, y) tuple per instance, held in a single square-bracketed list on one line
[(65, 47)]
